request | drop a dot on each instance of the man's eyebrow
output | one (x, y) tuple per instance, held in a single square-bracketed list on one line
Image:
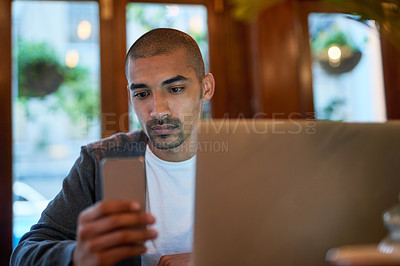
[(174, 79), (134, 86), (178, 78)]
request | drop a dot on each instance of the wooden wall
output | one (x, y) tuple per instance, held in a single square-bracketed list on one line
[(277, 43), (256, 64), (391, 63), (230, 64)]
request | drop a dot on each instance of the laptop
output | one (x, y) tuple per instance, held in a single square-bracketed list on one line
[(284, 192)]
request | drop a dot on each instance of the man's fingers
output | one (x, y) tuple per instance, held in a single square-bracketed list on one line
[(113, 222), (112, 230), (108, 207), (120, 238)]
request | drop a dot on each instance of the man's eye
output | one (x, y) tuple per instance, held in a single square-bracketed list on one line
[(140, 95), (176, 89)]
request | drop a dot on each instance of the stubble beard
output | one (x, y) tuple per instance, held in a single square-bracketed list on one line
[(168, 141)]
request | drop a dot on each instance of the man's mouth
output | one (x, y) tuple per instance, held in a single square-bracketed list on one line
[(163, 129)]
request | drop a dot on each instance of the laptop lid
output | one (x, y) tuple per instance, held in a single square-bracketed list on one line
[(285, 192)]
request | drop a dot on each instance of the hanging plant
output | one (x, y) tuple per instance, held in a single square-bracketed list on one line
[(335, 51), (39, 72)]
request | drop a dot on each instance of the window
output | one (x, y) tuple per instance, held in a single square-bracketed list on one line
[(56, 88), (346, 69)]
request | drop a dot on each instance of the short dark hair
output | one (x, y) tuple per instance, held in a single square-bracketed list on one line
[(164, 41)]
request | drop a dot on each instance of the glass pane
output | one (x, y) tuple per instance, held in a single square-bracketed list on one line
[(347, 69), (56, 83), (191, 19)]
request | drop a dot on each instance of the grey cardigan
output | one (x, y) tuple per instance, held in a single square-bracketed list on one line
[(52, 240)]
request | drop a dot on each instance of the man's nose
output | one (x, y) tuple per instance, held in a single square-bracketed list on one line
[(160, 106)]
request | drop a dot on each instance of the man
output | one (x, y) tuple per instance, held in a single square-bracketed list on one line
[(167, 87)]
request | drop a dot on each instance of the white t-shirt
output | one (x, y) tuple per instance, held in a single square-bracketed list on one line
[(170, 190)]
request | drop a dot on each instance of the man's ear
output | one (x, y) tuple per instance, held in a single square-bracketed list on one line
[(208, 87)]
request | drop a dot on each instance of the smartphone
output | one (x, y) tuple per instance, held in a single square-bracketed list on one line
[(124, 178)]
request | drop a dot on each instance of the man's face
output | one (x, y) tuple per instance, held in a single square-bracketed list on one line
[(166, 96)]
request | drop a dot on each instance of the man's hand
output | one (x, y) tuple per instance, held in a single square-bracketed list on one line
[(110, 231), (182, 259)]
